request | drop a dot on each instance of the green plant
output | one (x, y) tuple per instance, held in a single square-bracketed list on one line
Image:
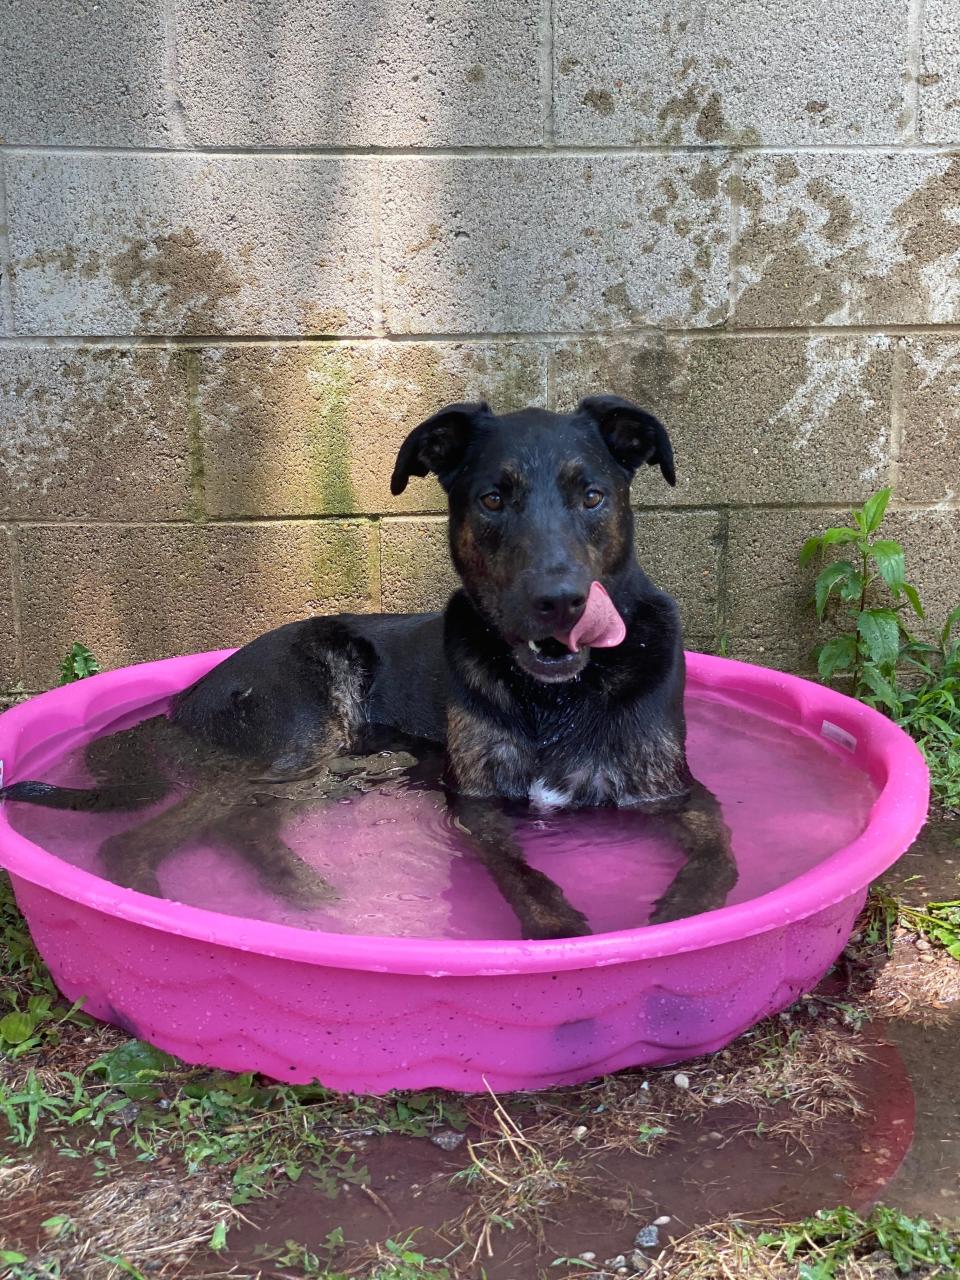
[(916, 682), (833, 1237), (396, 1260), (871, 650), (929, 709), (78, 664), (937, 921)]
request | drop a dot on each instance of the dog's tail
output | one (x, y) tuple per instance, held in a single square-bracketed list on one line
[(116, 799)]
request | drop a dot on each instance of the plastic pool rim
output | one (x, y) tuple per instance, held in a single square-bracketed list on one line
[(869, 739)]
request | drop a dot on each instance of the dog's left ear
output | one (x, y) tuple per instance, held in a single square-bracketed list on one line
[(438, 444), (632, 435)]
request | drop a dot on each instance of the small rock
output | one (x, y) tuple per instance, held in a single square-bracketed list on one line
[(579, 1133), (623, 1271), (681, 1081), (647, 1237), (619, 1261), (923, 944), (589, 1256), (448, 1140), (664, 1218), (639, 1262), (927, 957)]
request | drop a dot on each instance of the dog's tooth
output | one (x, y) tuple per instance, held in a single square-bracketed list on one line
[(534, 646)]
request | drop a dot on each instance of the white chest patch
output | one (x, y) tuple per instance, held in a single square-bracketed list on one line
[(544, 797)]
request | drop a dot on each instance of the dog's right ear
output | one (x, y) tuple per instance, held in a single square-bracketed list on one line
[(438, 444)]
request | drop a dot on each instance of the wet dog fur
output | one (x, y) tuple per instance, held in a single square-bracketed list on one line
[(539, 508)]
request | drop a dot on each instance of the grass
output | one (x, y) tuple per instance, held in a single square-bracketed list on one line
[(938, 922), (834, 1244), (394, 1259)]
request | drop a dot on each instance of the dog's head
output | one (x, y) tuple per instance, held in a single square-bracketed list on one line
[(540, 513)]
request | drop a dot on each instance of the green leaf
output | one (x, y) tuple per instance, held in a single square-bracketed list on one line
[(133, 1062), (17, 1027), (914, 597), (953, 617), (218, 1240), (809, 550), (817, 1271), (827, 580), (852, 589), (838, 654), (11, 1256), (880, 631), (873, 509), (78, 664), (889, 560), (834, 536), (881, 688)]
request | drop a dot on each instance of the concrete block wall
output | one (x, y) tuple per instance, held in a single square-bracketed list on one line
[(247, 244)]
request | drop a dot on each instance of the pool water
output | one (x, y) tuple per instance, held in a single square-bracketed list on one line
[(398, 866)]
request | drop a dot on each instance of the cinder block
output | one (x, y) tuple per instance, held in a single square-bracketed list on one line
[(191, 244), (796, 655), (939, 80), (931, 545), (758, 71), (679, 550), (521, 244), (95, 432), (304, 430), (848, 238), (753, 420), (9, 660), (89, 74), (929, 469), (415, 569), (137, 592), (769, 596), (258, 73)]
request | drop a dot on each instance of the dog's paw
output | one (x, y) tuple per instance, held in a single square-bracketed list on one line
[(543, 923), (143, 879), (300, 885)]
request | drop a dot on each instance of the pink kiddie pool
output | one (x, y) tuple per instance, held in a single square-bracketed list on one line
[(416, 978)]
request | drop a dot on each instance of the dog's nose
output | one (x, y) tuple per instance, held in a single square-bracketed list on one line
[(559, 610)]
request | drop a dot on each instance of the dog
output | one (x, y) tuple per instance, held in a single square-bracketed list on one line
[(554, 677)]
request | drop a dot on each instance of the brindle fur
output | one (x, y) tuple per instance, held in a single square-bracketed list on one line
[(253, 740)]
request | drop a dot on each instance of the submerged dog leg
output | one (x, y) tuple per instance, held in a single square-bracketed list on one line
[(131, 857), (537, 902), (252, 831), (710, 872)]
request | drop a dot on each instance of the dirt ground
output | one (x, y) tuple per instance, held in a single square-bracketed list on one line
[(851, 1098)]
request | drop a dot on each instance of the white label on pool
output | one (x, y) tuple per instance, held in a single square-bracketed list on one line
[(833, 731)]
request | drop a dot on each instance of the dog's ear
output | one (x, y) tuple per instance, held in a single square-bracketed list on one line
[(438, 444), (631, 434)]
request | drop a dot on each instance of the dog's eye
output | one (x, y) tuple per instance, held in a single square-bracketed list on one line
[(492, 501), (592, 498)]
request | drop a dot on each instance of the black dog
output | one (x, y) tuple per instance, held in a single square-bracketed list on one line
[(555, 675)]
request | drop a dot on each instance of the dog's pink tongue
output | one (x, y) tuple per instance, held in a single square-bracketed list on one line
[(600, 626)]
